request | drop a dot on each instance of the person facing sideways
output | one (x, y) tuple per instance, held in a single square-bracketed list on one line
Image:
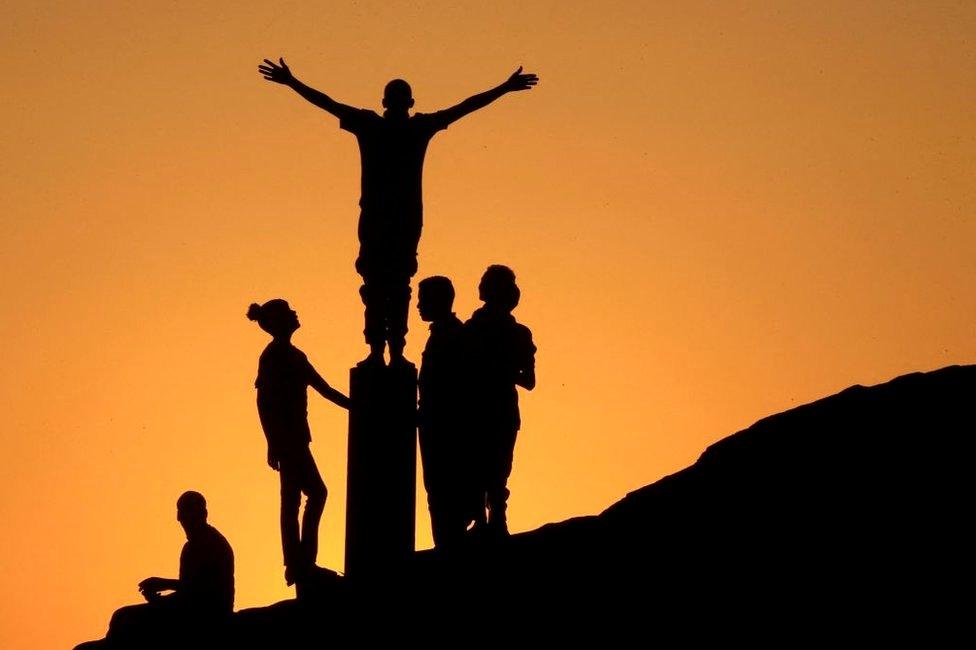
[(201, 597), (284, 375), (392, 149), (444, 446), (501, 355)]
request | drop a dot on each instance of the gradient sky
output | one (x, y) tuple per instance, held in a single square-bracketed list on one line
[(716, 211)]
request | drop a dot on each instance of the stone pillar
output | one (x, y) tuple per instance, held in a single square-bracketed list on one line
[(382, 468)]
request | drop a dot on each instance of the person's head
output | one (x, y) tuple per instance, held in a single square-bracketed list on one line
[(191, 511), (397, 96), (275, 317), (435, 298), (498, 289)]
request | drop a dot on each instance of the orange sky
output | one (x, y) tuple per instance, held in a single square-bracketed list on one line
[(716, 211)]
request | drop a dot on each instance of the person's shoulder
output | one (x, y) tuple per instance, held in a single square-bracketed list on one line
[(454, 323), (477, 316), (358, 118), (217, 539), (522, 329), (451, 329), (369, 115), (432, 121), (524, 336), (268, 352)]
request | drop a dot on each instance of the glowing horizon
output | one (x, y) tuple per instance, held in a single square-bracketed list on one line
[(714, 213)]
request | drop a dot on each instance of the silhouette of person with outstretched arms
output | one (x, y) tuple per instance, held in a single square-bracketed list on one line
[(284, 375), (444, 441), (501, 356), (392, 149), (202, 596)]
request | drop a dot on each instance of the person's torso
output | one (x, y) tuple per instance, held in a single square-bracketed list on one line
[(498, 347), (441, 380), (282, 383), (392, 156), (207, 571)]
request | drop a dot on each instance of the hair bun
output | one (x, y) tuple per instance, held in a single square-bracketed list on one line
[(254, 311)]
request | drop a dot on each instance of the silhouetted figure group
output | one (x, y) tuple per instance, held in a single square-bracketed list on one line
[(468, 414), (202, 596)]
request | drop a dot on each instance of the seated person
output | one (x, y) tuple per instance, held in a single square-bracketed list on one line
[(200, 598)]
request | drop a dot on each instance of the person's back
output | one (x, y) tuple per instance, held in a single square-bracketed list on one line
[(207, 573), (202, 596), (498, 348), (500, 356)]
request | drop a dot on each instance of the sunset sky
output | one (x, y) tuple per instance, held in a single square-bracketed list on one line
[(716, 211)]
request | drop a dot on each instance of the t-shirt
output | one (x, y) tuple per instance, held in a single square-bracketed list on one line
[(207, 572), (392, 157), (284, 374), (497, 349), (441, 380)]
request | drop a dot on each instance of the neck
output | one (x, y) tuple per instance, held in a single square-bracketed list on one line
[(283, 338), (195, 530)]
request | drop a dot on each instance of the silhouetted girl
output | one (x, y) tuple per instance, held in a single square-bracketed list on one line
[(284, 373)]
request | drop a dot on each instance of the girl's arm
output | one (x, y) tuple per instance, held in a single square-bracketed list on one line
[(328, 392)]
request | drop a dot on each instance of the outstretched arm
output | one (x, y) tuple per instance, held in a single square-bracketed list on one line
[(281, 73), (517, 81), (328, 392)]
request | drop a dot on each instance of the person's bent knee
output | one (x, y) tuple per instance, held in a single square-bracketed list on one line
[(317, 497)]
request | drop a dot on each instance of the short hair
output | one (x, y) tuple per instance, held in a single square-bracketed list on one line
[(498, 284), (191, 500), (398, 89), (438, 287)]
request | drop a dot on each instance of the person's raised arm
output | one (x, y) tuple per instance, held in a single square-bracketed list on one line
[(281, 73), (517, 81)]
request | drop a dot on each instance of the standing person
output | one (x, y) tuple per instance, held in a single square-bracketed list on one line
[(284, 375), (502, 356), (444, 440), (392, 149)]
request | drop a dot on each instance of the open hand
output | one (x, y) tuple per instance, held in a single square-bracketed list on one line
[(519, 81), (278, 72)]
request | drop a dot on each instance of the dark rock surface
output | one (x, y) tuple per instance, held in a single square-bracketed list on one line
[(846, 516)]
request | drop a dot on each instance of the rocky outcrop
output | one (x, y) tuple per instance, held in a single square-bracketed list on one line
[(844, 516)]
